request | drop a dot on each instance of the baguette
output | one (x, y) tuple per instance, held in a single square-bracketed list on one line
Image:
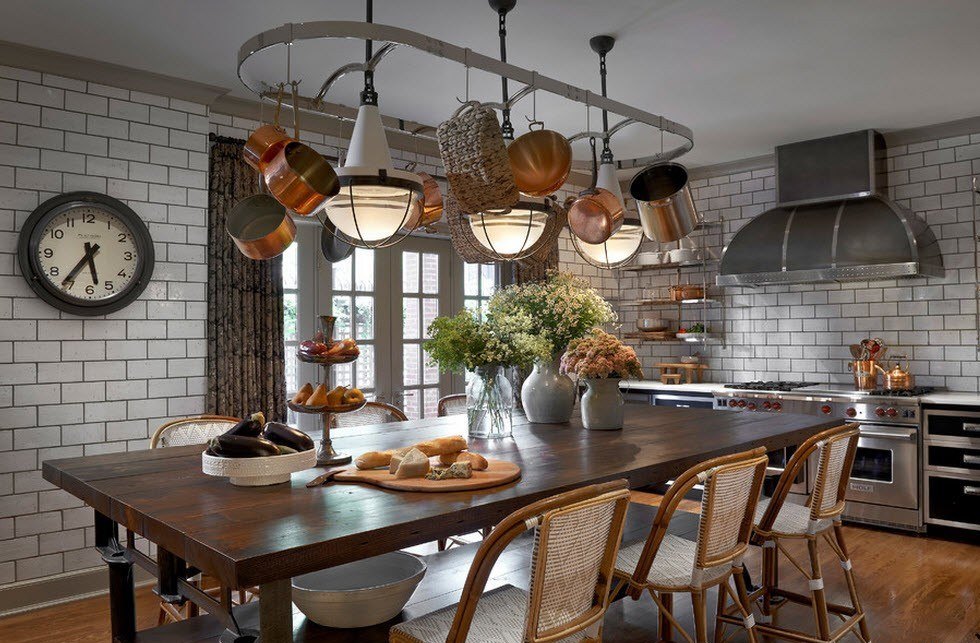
[(437, 446), (477, 461)]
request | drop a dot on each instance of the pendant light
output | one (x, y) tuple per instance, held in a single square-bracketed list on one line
[(511, 233), (377, 206), (623, 245)]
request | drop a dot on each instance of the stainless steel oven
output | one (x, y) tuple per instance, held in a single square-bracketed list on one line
[(952, 467), (886, 467)]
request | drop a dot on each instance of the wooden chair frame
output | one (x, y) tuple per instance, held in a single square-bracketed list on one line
[(770, 596), (637, 582), (155, 440), (540, 513)]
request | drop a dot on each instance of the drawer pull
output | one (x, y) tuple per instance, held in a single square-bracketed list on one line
[(971, 459), (971, 428), (970, 490)]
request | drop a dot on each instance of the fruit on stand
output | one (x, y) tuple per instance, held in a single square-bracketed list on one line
[(353, 396), (343, 348), (303, 394), (318, 397)]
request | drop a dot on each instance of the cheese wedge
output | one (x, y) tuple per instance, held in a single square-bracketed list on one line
[(396, 459), (414, 464)]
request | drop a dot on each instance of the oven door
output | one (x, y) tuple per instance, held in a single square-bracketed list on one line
[(886, 467)]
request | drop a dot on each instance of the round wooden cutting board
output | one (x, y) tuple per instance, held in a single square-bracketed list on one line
[(498, 472)]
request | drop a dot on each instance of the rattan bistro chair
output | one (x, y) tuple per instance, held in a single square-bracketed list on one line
[(576, 537), (451, 405), (666, 564), (778, 519), (370, 413), (192, 430)]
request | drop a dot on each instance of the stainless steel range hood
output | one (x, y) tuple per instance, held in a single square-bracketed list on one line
[(832, 221)]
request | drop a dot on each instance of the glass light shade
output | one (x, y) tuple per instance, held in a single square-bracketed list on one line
[(616, 251), (509, 235), (374, 213)]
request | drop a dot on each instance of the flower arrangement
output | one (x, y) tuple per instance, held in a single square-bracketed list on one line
[(599, 356), (466, 342), (560, 308)]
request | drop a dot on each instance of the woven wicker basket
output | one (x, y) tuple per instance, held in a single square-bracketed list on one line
[(475, 158)]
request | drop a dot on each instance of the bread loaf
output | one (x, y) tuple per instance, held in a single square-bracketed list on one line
[(477, 461), (438, 446)]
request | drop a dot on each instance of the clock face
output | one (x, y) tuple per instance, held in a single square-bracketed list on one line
[(85, 253), (88, 253)]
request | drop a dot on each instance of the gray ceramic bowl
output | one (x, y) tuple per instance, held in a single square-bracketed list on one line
[(359, 594), (651, 324)]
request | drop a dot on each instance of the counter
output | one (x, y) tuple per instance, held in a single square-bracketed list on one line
[(953, 398), (656, 385)]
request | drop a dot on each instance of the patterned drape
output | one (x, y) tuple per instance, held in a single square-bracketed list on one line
[(246, 368)]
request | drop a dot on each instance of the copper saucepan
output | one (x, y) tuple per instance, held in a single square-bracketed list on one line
[(540, 161), (265, 142), (260, 227), (431, 210), (596, 214), (298, 176)]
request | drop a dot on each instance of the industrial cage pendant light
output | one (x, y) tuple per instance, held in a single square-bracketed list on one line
[(378, 205), (624, 244), (511, 233)]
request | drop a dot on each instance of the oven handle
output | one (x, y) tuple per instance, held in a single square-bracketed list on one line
[(971, 490), (889, 433), (971, 428)]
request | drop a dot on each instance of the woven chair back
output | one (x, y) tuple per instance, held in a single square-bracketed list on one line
[(193, 430), (836, 455), (451, 405), (370, 413)]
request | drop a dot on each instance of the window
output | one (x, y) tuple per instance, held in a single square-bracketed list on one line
[(479, 282), (420, 306), (353, 304), (290, 313)]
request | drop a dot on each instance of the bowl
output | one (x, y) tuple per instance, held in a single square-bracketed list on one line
[(651, 324), (690, 359), (258, 472), (649, 259), (359, 594)]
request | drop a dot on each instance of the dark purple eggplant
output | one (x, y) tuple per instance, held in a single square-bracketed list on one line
[(286, 435), (247, 428), (241, 446)]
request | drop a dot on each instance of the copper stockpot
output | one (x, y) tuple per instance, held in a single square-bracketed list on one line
[(865, 375), (540, 161), (664, 201), (596, 214), (260, 227)]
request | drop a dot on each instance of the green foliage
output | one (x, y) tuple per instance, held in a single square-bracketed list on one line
[(464, 342)]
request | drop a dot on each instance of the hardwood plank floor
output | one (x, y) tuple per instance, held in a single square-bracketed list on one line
[(915, 590)]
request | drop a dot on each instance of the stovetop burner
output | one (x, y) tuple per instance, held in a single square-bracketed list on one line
[(904, 392), (777, 385)]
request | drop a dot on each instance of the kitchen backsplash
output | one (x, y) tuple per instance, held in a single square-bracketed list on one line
[(803, 331)]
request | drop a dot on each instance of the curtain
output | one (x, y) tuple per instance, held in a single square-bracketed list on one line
[(246, 367)]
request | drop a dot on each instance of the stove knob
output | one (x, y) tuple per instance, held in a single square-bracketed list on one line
[(891, 412), (741, 404), (880, 412), (767, 405), (850, 412), (826, 409), (732, 403), (776, 406), (751, 406)]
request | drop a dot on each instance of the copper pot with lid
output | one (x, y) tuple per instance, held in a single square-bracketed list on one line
[(540, 160), (596, 214)]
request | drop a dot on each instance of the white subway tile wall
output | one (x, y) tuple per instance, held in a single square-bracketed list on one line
[(803, 331), (71, 386)]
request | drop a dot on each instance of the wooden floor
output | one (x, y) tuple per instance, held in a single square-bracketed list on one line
[(915, 589)]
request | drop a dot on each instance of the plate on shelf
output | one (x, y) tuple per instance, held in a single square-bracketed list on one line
[(326, 359), (326, 408)]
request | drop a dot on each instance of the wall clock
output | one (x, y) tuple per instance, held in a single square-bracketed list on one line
[(85, 253)]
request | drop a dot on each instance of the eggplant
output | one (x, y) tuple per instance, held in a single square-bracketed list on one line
[(285, 435), (241, 446), (248, 428)]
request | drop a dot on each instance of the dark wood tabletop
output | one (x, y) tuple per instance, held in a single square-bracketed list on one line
[(246, 536)]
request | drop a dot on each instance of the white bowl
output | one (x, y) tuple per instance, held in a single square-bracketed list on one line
[(649, 259), (359, 594), (258, 472), (690, 359)]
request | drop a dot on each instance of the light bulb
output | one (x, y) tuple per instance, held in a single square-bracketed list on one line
[(615, 251), (508, 235)]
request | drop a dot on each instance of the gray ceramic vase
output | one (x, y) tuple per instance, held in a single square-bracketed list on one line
[(602, 404), (547, 395)]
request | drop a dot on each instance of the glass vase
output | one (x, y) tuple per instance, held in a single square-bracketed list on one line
[(489, 403)]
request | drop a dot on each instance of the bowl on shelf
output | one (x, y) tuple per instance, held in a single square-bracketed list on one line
[(359, 594), (649, 259), (258, 472), (651, 324), (690, 359)]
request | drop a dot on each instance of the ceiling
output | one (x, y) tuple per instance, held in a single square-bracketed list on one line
[(745, 75)]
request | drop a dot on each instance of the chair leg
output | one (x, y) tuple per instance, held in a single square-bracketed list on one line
[(722, 601), (770, 559), (698, 598), (851, 584), (817, 590), (664, 629), (744, 605)]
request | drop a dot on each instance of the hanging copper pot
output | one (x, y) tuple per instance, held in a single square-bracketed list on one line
[(265, 142), (431, 210), (260, 227), (596, 214), (298, 176), (540, 161)]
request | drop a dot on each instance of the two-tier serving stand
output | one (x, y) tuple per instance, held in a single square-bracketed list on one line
[(326, 455)]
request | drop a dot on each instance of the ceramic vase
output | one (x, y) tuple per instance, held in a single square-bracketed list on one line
[(602, 404), (547, 395), (489, 403)]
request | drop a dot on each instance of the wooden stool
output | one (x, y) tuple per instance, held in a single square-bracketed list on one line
[(669, 378), (672, 371)]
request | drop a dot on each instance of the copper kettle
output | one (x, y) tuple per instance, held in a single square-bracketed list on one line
[(896, 377)]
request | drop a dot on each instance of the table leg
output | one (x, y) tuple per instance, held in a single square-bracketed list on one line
[(276, 612), (122, 594)]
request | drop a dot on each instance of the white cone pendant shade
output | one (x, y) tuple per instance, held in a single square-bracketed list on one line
[(623, 245), (375, 201), (511, 234), (606, 179)]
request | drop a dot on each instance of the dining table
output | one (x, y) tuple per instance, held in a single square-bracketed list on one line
[(247, 537)]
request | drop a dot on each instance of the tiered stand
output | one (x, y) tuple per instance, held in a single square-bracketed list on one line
[(325, 453)]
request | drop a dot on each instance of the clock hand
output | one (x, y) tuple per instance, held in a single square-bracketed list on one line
[(89, 251)]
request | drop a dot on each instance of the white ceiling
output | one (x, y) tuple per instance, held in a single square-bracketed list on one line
[(744, 75)]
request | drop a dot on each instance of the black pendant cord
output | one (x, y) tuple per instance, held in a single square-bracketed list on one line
[(369, 96), (607, 156), (506, 128)]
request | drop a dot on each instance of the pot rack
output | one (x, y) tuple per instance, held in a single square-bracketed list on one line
[(291, 33)]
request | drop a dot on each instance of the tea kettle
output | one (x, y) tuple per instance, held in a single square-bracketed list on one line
[(896, 377)]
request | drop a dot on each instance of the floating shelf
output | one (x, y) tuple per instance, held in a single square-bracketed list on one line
[(667, 302), (665, 266)]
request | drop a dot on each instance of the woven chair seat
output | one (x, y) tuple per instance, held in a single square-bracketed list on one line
[(673, 567), (499, 618), (792, 520)]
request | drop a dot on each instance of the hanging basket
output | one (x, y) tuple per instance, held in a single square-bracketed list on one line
[(461, 235), (475, 158)]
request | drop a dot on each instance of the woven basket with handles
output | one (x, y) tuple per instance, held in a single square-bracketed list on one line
[(475, 158)]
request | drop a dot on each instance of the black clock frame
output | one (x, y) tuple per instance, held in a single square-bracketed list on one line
[(30, 238)]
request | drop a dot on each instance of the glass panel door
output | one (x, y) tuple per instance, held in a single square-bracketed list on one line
[(352, 302)]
